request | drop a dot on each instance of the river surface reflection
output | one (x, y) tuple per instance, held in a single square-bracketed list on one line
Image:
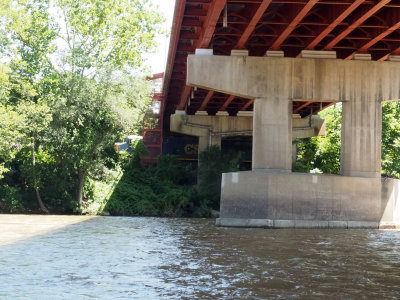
[(150, 258)]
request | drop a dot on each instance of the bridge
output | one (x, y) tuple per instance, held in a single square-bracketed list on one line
[(265, 68)]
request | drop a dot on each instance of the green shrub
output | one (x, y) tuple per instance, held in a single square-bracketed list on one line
[(214, 162), (157, 191), (170, 169), (10, 200)]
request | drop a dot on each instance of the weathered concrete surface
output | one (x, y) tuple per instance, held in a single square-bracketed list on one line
[(19, 227), (197, 125), (298, 200), (390, 209), (328, 80), (283, 224), (360, 85), (361, 138), (272, 134), (224, 126), (211, 129)]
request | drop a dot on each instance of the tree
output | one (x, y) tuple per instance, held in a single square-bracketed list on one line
[(37, 118), (22, 122), (322, 153), (81, 67)]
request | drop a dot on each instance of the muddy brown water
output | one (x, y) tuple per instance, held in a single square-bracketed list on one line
[(151, 258)]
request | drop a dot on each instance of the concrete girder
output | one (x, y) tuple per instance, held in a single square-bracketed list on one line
[(361, 85), (210, 129), (198, 125), (317, 80)]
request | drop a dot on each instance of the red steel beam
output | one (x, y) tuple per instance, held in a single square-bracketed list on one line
[(250, 28), (184, 97), (335, 23), (206, 100), (194, 12), (302, 106), (326, 106), (173, 45), (155, 76), (227, 102), (250, 102), (394, 52), (379, 37), (213, 13), (357, 23), (385, 57), (292, 25), (206, 34)]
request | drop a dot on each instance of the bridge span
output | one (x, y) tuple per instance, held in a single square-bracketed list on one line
[(278, 62)]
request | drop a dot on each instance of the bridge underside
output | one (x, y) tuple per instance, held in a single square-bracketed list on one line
[(348, 27), (266, 78)]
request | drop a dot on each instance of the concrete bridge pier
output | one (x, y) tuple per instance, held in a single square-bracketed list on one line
[(361, 138), (272, 196), (272, 135), (205, 141)]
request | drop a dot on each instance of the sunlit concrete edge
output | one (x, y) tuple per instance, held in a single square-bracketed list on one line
[(312, 224)]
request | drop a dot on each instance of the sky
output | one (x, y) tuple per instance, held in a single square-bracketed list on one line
[(156, 61)]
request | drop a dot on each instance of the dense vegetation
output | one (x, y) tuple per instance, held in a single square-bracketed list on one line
[(69, 88), (322, 154), (168, 188)]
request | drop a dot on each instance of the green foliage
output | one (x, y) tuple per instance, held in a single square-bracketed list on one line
[(10, 200), (322, 153), (391, 139), (68, 93), (151, 192), (21, 120), (170, 169), (214, 162), (139, 151), (107, 34)]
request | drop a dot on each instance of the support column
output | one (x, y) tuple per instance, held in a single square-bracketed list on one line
[(294, 152), (361, 138), (204, 141), (216, 140), (272, 135)]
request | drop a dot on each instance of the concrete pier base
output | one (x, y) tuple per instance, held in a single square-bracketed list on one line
[(297, 200)]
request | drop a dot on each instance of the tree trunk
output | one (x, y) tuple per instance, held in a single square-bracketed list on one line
[(41, 204), (38, 197), (81, 178)]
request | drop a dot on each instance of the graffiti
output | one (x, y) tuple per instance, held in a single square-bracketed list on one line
[(191, 149)]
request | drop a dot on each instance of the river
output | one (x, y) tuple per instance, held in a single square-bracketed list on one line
[(151, 258)]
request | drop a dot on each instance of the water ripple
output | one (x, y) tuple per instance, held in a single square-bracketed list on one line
[(150, 258)]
